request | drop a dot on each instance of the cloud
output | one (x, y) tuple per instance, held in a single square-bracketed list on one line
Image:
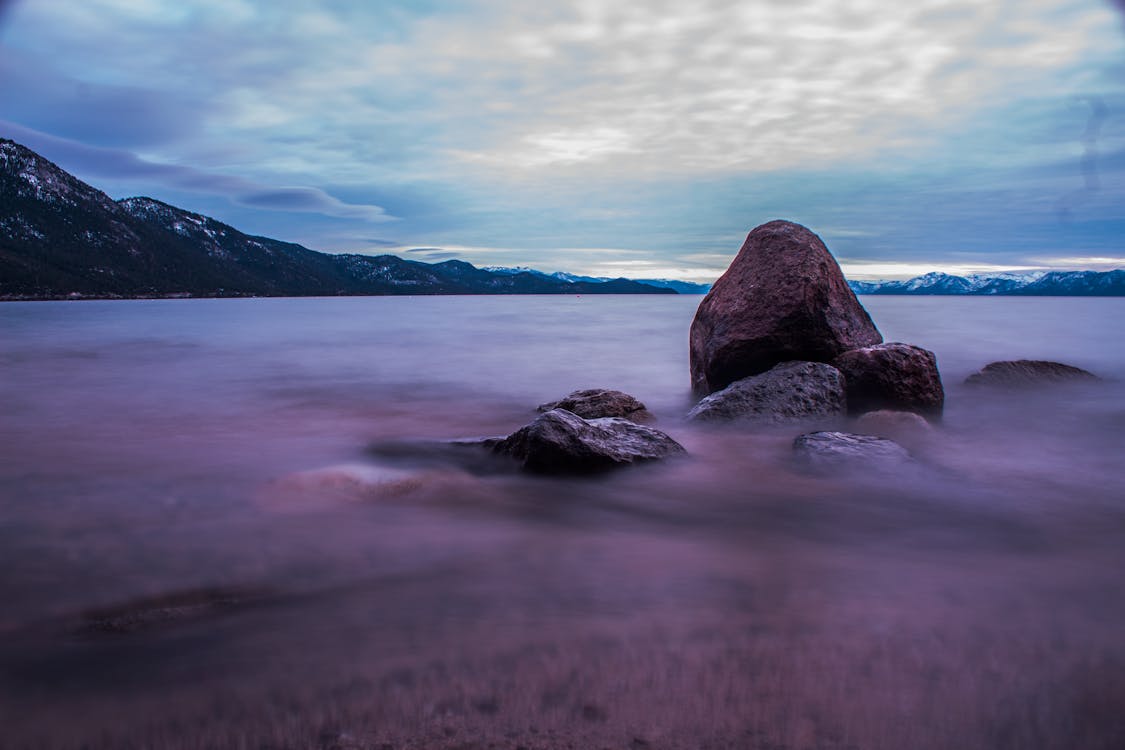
[(885, 270), (586, 87), (439, 256), (311, 200), (938, 129), (100, 162), (668, 87), (1096, 262), (94, 113)]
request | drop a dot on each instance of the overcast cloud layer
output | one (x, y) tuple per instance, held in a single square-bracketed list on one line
[(593, 136)]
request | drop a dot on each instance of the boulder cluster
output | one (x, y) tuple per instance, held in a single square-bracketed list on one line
[(780, 339)]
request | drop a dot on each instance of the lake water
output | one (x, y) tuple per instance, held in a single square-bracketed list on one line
[(221, 525)]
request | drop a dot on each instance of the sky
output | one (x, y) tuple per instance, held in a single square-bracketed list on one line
[(639, 139)]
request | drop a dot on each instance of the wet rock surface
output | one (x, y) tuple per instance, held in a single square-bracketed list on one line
[(1023, 373), (596, 403), (560, 442), (783, 298), (837, 451), (896, 376), (792, 391)]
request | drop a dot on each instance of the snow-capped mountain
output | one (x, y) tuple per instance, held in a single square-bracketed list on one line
[(1029, 283)]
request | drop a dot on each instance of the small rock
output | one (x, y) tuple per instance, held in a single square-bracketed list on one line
[(827, 451), (892, 376), (1022, 373), (345, 484), (560, 442), (783, 298), (892, 424), (595, 403), (318, 488), (791, 391), (904, 427)]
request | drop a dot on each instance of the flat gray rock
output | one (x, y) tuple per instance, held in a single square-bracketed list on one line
[(835, 451), (791, 391), (560, 442)]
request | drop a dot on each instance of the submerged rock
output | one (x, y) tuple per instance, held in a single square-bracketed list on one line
[(783, 298), (904, 427), (1021, 373), (317, 489), (595, 403), (350, 477), (894, 376), (472, 455), (791, 391), (828, 451), (893, 424), (560, 442)]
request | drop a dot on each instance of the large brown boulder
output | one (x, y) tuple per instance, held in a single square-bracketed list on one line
[(895, 376), (783, 298)]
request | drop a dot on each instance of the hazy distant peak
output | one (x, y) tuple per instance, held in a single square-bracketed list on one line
[(1027, 283)]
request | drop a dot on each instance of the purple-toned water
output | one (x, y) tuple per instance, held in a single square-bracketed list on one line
[(200, 547)]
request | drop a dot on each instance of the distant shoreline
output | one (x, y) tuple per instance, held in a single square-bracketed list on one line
[(122, 298)]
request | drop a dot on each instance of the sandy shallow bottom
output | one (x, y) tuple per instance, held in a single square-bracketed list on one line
[(402, 605)]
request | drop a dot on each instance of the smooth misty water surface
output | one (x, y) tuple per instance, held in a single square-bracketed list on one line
[(221, 526)]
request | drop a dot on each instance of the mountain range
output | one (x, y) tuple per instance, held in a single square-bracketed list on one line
[(62, 238), (680, 287), (1032, 283)]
